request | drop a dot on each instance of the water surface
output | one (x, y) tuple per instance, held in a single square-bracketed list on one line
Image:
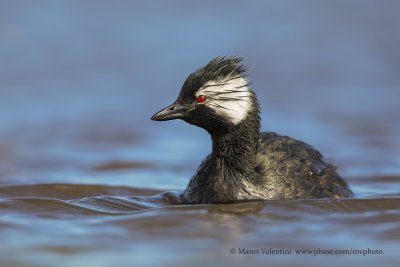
[(86, 179)]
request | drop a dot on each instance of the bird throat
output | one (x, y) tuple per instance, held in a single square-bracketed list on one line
[(237, 149)]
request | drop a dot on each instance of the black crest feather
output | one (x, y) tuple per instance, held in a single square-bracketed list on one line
[(217, 69)]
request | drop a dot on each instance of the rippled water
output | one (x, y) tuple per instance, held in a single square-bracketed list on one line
[(86, 179)]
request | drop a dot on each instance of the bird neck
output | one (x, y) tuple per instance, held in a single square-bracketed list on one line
[(236, 149)]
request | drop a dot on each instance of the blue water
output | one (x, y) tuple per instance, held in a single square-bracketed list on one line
[(80, 80)]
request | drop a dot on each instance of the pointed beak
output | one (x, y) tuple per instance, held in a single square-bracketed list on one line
[(175, 111)]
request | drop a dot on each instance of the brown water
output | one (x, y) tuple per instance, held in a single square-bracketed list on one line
[(86, 179)]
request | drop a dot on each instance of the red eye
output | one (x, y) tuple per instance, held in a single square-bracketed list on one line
[(201, 99)]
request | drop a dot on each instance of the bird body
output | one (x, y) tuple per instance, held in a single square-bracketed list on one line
[(245, 164)]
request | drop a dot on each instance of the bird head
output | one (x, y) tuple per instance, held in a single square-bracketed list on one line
[(216, 97)]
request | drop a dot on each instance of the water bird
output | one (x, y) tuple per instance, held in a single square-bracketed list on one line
[(245, 164)]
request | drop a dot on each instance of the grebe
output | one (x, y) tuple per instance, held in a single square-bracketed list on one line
[(245, 164)]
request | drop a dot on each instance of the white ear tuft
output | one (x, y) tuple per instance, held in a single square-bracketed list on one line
[(230, 97)]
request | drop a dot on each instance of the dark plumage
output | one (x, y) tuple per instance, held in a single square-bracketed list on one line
[(245, 164)]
